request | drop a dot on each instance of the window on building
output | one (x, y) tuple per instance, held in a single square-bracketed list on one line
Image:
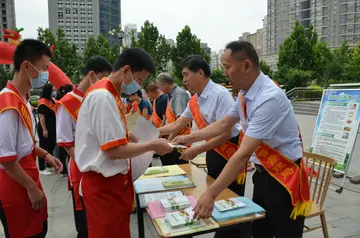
[(3, 5), (67, 3), (67, 11), (89, 13), (82, 13), (61, 21), (75, 11), (3, 11), (4, 19), (60, 3), (75, 4), (60, 14)]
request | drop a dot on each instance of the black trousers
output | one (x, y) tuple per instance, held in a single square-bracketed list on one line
[(80, 219), (42, 234), (172, 158), (47, 144), (215, 164), (275, 199), (62, 157)]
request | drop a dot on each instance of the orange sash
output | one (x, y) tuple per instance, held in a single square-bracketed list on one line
[(108, 85), (286, 172), (155, 118), (171, 118), (71, 104), (48, 103), (227, 149), (13, 100)]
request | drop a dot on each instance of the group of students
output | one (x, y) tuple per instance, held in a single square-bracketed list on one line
[(91, 126)]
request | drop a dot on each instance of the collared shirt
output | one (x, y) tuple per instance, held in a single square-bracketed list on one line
[(271, 118), (178, 99), (15, 140), (99, 128), (65, 124), (215, 102)]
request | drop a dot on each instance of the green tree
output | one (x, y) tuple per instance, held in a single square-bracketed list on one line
[(352, 66), (154, 43), (186, 44), (217, 75), (265, 68), (100, 46), (336, 68), (65, 54), (323, 57), (298, 78), (5, 75)]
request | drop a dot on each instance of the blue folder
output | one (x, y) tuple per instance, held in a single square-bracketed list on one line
[(249, 209)]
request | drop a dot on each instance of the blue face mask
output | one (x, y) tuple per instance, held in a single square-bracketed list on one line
[(133, 87), (41, 80)]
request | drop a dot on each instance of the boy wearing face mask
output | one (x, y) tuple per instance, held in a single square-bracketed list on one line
[(68, 107), (103, 147), (23, 206)]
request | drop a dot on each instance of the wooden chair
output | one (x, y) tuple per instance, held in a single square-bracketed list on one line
[(320, 170)]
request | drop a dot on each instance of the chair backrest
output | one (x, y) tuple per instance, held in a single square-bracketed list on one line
[(320, 170)]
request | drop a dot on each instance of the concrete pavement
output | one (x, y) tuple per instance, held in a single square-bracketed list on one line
[(342, 210)]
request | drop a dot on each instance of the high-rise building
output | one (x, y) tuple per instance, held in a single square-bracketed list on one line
[(214, 61), (7, 19), (335, 21), (130, 31), (256, 39), (205, 47), (81, 19)]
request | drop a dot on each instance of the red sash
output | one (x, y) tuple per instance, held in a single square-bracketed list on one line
[(71, 104), (13, 100), (48, 103), (109, 86), (155, 118), (171, 118), (286, 172), (227, 149)]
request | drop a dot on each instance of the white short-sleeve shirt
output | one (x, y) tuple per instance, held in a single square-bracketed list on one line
[(271, 118), (215, 102), (65, 125), (15, 140), (100, 127)]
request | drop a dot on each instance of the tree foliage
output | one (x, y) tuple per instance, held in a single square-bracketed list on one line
[(186, 44), (101, 46), (265, 68), (217, 75)]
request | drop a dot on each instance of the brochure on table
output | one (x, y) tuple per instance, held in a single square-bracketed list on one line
[(173, 170), (156, 210), (156, 184)]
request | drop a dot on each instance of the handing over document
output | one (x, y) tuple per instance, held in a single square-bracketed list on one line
[(144, 131), (178, 146)]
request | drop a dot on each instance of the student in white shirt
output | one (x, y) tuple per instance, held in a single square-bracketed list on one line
[(104, 146)]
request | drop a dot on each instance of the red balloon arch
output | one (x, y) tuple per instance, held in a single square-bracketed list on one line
[(56, 75)]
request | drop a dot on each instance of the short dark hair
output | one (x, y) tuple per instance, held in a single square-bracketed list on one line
[(151, 87), (64, 90), (97, 64), (195, 63), (242, 50), (47, 91), (30, 50), (138, 60), (139, 93)]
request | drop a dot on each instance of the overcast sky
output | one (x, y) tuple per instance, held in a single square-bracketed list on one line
[(215, 22)]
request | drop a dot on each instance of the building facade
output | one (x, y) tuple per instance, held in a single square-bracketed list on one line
[(256, 39), (130, 31), (81, 19), (206, 48), (214, 61), (7, 19)]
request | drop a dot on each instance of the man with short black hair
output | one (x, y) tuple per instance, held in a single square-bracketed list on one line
[(211, 102), (159, 104), (68, 107), (23, 206), (104, 146), (272, 141)]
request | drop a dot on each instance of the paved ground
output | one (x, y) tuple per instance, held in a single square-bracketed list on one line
[(342, 210)]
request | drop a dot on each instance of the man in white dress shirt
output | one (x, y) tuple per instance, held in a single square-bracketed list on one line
[(272, 141), (212, 102)]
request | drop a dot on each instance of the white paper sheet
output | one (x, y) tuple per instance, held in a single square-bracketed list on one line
[(131, 121), (144, 131)]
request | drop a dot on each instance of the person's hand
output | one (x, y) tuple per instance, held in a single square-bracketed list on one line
[(204, 206), (189, 154), (161, 147), (36, 197), (45, 133), (54, 162), (182, 140), (132, 138)]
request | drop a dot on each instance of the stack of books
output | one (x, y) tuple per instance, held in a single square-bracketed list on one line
[(228, 204), (176, 203), (156, 170), (177, 183), (181, 218)]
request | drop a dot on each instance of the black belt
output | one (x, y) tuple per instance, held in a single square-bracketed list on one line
[(261, 169)]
